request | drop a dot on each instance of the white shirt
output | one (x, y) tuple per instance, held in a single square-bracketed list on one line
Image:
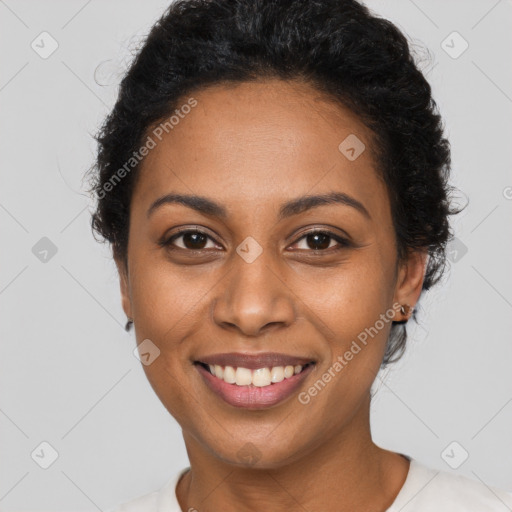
[(424, 490)]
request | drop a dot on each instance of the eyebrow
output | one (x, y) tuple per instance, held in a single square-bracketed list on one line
[(293, 207)]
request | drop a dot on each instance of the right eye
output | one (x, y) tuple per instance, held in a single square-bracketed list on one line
[(192, 240)]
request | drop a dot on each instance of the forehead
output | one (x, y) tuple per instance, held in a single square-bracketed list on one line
[(258, 141)]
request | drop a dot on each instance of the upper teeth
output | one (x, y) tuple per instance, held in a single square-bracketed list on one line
[(260, 377)]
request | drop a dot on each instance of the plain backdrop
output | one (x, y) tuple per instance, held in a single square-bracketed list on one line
[(68, 376)]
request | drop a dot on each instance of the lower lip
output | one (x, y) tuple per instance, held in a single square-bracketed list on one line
[(254, 397)]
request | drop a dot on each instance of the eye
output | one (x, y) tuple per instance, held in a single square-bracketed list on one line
[(196, 240), (191, 240), (320, 241)]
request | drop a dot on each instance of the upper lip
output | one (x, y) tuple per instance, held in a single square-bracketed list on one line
[(254, 361)]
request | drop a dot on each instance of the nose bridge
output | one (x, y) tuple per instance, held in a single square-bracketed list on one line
[(253, 296)]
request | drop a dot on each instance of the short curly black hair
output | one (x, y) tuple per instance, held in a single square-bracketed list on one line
[(338, 46)]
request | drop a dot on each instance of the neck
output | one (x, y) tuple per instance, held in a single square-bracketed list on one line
[(346, 472)]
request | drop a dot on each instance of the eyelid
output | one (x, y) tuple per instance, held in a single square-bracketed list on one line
[(166, 240), (342, 240), (333, 231)]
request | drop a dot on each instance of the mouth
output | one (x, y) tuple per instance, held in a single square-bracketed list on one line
[(260, 377), (253, 382)]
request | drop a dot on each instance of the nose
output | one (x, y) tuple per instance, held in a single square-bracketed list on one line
[(253, 298)]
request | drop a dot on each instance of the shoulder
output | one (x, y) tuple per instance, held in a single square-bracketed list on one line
[(468, 494), (161, 500), (146, 503), (432, 490)]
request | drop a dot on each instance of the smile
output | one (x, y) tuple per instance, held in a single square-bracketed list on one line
[(261, 377), (258, 387)]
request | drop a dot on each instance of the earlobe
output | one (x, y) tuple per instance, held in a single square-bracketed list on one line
[(410, 282)]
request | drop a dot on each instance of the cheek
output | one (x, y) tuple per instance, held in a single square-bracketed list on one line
[(166, 305), (353, 295), (166, 298), (352, 307), (169, 300), (169, 308)]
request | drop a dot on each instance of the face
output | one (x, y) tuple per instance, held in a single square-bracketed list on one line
[(260, 270)]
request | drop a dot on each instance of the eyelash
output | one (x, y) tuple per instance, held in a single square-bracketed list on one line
[(343, 242)]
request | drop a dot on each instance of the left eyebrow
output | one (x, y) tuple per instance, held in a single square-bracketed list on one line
[(301, 204)]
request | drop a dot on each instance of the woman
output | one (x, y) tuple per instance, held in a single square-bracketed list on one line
[(273, 181)]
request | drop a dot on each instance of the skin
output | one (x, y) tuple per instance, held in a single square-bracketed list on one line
[(252, 147)]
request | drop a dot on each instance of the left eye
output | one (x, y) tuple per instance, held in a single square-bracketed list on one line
[(321, 240)]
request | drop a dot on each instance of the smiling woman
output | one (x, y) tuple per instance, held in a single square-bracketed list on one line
[(272, 242)]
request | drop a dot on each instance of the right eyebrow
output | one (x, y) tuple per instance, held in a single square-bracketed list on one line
[(198, 203)]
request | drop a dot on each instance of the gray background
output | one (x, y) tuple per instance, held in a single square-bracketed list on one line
[(67, 371)]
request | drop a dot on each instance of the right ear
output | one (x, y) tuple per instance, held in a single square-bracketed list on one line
[(124, 282)]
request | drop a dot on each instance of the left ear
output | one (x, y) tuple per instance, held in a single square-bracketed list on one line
[(411, 274)]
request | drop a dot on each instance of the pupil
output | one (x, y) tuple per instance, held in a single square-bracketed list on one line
[(194, 240), (321, 241)]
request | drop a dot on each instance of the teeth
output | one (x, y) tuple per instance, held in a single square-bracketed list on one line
[(277, 374), (243, 377), (288, 371), (229, 375), (261, 377)]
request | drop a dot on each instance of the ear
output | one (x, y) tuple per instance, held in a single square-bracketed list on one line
[(124, 282), (411, 274)]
